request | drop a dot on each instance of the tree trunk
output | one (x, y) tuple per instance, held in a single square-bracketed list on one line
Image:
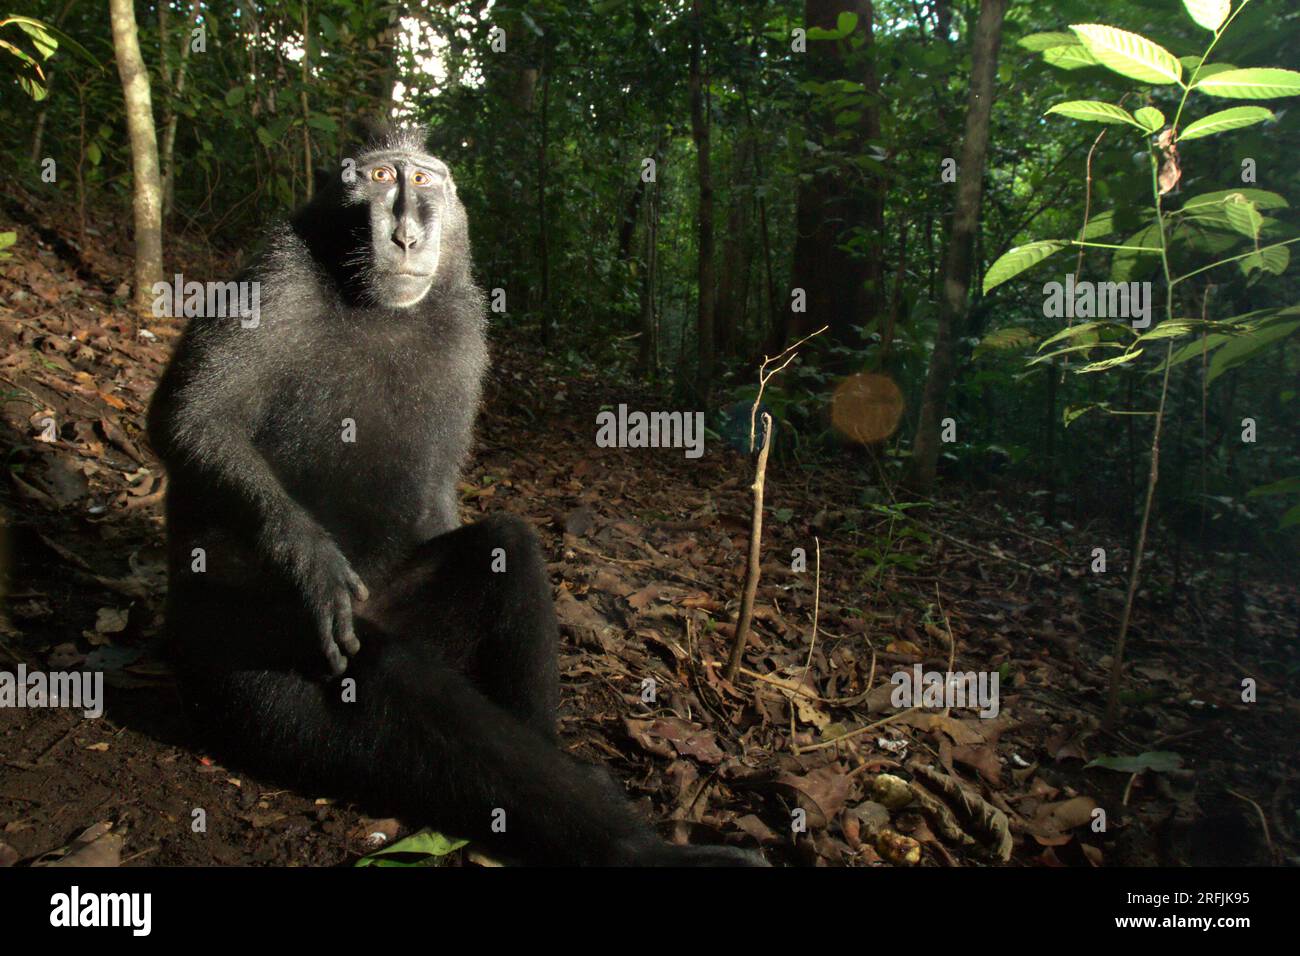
[(896, 299), (704, 272), (172, 116), (146, 187), (543, 227), (958, 263), (774, 334), (648, 352), (733, 288), (842, 289), (631, 210), (307, 171)]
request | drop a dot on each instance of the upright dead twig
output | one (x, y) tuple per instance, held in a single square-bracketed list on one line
[(751, 570), (764, 376), (817, 600), (756, 524)]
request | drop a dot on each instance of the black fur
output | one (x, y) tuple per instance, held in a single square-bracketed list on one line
[(324, 555)]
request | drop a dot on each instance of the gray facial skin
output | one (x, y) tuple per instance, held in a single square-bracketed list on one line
[(409, 196)]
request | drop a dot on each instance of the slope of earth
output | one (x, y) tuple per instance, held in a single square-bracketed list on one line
[(804, 755)]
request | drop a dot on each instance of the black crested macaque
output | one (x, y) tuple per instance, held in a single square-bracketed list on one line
[(313, 530)]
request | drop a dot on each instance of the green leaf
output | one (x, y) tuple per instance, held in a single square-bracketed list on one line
[(1094, 111), (1150, 118), (1017, 260), (33, 87), (1038, 360), (235, 96), (23, 57), (1213, 244), (1161, 761), (1108, 363), (1014, 337), (1073, 412), (1248, 321), (1195, 349), (1129, 54), (1262, 198), (845, 24), (426, 844), (265, 138), (41, 38), (1124, 264), (1274, 260), (94, 154), (7, 239), (54, 34), (1234, 118), (1038, 42), (1100, 226), (1242, 348), (1208, 13), (1243, 216), (1073, 332), (1287, 486), (1197, 65), (1171, 329), (1069, 57), (1291, 518), (1213, 69), (1261, 83)]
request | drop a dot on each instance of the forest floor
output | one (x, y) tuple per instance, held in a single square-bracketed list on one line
[(647, 552)]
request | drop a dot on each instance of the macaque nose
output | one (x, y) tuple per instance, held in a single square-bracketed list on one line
[(406, 237)]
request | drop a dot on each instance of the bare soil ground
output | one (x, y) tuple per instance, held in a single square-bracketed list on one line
[(647, 553)]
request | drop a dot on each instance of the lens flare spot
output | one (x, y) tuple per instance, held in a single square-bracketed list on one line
[(867, 407)]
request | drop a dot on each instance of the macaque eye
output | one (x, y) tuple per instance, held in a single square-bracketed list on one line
[(421, 178), (382, 174)]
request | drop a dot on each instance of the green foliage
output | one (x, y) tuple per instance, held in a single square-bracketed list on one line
[(1129, 54), (889, 551), (1224, 120), (561, 122), (1161, 761), (425, 848), (42, 40), (1133, 56), (1019, 259), (1005, 339), (1208, 251)]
